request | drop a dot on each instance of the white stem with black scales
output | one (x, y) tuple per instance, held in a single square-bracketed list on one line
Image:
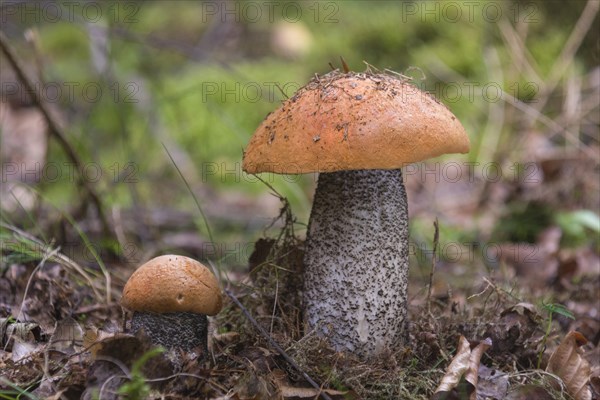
[(356, 261)]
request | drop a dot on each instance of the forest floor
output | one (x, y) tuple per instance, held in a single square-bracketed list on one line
[(62, 332)]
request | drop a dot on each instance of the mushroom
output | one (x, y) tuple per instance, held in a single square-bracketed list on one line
[(170, 297), (357, 130)]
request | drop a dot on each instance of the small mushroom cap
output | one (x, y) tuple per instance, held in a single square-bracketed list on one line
[(172, 283), (354, 121)]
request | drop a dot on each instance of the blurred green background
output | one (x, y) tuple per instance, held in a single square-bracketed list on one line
[(197, 78)]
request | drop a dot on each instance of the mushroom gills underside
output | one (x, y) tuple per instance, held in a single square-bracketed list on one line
[(356, 261)]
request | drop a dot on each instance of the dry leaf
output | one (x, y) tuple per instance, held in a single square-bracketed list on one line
[(22, 349), (279, 378), (473, 368), (25, 331), (92, 339), (457, 367), (24, 136), (104, 344), (307, 393), (67, 337), (566, 362), (595, 384), (493, 383), (227, 338), (465, 363)]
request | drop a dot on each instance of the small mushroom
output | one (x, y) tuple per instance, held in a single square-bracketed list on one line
[(170, 297), (356, 261)]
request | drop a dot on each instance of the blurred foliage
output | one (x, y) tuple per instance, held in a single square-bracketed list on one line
[(148, 74), (523, 222), (579, 227)]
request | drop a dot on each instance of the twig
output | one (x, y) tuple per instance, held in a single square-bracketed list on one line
[(276, 346), (436, 238), (189, 188), (344, 65), (566, 56), (53, 127)]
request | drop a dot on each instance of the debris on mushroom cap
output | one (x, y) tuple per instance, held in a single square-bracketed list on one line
[(172, 283), (362, 120)]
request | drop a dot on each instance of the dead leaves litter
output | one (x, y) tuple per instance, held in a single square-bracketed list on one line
[(465, 364), (567, 363)]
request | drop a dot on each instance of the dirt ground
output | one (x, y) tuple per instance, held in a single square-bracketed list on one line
[(63, 333)]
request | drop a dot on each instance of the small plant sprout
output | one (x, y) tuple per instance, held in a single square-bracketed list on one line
[(551, 309)]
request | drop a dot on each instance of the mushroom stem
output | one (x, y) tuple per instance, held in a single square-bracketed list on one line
[(357, 261), (178, 330)]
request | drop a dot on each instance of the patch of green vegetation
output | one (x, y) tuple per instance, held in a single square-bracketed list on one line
[(523, 222), (579, 227), (137, 388)]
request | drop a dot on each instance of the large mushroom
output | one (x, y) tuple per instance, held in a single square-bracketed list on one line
[(170, 297), (357, 130)]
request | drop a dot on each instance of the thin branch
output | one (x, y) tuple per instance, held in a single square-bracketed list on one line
[(436, 238), (53, 127), (566, 56), (189, 188), (276, 346), (519, 53)]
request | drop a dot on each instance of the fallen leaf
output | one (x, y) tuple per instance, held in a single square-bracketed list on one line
[(567, 363), (307, 393), (455, 370), (280, 379), (25, 331), (493, 384), (471, 374), (67, 337), (227, 337), (595, 384), (22, 349), (465, 364)]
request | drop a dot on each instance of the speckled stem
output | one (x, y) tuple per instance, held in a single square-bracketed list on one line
[(356, 261), (180, 330)]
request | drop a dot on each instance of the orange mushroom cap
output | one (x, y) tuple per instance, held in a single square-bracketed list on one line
[(172, 283), (354, 121)]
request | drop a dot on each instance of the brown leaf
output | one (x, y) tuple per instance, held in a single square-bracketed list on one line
[(279, 378), (493, 383), (457, 367), (94, 339), (22, 349), (595, 384), (474, 359), (24, 331), (67, 337), (307, 393), (566, 362), (227, 338), (465, 362)]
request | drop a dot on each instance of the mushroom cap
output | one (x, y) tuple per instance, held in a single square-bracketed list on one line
[(172, 283), (354, 121)]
